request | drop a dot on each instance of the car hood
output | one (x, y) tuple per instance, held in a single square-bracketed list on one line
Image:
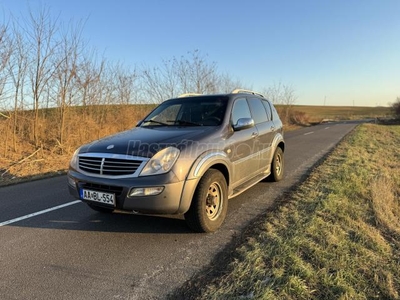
[(147, 141)]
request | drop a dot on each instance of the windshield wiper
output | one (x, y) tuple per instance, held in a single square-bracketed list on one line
[(156, 122)]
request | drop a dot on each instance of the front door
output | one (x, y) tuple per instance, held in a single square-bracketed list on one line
[(243, 150)]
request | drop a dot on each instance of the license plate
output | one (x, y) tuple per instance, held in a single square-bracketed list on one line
[(106, 198)]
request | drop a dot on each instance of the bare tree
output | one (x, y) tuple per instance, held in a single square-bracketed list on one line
[(160, 83), (197, 75), (5, 54), (125, 84), (282, 94), (192, 74), (65, 75), (227, 84), (41, 32), (103, 94), (89, 73), (289, 99), (17, 68), (275, 93)]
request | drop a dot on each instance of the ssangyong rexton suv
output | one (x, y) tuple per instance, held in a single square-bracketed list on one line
[(188, 156)]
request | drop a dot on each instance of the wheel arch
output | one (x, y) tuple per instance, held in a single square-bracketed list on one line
[(278, 141), (217, 160), (211, 159)]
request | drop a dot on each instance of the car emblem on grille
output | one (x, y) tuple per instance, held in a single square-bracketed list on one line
[(110, 147)]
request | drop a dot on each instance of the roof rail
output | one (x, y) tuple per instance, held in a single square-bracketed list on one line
[(237, 91), (189, 95)]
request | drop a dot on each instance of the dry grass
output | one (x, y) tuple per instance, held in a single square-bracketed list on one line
[(336, 237), (319, 113), (22, 159), (385, 203)]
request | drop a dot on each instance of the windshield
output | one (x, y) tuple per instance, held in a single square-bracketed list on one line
[(193, 111)]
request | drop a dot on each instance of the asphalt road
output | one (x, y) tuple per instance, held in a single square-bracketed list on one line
[(71, 252)]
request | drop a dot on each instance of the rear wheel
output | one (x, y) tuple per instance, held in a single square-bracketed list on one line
[(277, 165), (101, 209), (209, 204)]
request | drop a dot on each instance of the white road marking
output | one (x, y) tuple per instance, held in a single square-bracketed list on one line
[(309, 133), (327, 127), (39, 213)]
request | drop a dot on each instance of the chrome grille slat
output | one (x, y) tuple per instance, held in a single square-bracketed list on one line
[(126, 163), (109, 166), (88, 168), (89, 165), (106, 164), (87, 159)]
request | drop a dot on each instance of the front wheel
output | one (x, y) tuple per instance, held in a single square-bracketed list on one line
[(209, 204)]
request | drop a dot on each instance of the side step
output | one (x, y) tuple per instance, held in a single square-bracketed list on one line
[(248, 184)]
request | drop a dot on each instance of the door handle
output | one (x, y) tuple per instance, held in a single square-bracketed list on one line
[(254, 134)]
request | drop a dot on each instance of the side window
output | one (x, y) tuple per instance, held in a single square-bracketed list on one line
[(268, 109), (258, 111), (240, 110)]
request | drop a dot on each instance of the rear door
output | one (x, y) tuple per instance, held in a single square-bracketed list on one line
[(262, 116)]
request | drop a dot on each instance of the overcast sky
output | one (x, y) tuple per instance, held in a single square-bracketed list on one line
[(342, 52)]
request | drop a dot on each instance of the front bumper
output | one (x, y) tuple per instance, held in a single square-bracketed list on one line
[(172, 200)]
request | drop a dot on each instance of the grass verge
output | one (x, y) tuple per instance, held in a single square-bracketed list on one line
[(337, 236)]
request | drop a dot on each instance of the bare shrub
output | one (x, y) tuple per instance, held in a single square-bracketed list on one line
[(396, 107), (299, 118)]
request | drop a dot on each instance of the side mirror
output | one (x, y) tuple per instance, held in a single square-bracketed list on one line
[(243, 123)]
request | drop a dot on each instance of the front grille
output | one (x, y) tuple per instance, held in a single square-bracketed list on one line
[(108, 166), (117, 190)]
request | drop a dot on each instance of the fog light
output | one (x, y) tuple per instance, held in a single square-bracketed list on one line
[(146, 191), (71, 182)]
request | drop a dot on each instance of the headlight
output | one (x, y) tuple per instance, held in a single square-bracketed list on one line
[(161, 162), (74, 160)]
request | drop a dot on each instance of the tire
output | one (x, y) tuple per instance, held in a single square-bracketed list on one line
[(209, 204), (277, 166), (101, 209)]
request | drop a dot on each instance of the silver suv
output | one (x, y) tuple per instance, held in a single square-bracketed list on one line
[(188, 156)]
